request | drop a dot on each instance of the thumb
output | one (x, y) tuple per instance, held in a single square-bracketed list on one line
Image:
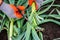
[(1, 1), (39, 3), (7, 10)]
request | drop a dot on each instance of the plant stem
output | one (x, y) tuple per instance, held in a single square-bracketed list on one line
[(33, 7), (33, 11), (11, 30)]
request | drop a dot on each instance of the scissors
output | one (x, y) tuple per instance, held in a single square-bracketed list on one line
[(18, 12)]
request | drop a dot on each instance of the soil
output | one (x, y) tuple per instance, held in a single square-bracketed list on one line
[(52, 30), (3, 35)]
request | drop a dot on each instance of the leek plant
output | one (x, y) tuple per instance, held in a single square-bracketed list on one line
[(21, 29)]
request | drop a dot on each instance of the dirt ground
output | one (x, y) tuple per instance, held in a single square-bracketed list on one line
[(52, 30)]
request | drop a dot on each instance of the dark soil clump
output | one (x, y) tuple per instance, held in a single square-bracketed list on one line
[(51, 32), (3, 35)]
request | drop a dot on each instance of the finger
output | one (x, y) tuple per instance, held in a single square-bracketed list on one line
[(39, 3), (7, 10), (1, 1)]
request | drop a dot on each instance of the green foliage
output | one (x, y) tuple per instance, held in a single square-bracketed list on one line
[(18, 29)]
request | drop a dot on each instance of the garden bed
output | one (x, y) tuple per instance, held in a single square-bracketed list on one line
[(51, 31)]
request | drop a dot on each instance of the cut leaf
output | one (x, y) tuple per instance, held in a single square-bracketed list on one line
[(34, 34), (12, 1), (28, 31)]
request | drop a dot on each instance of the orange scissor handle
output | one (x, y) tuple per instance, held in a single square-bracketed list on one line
[(22, 8), (30, 3), (16, 12)]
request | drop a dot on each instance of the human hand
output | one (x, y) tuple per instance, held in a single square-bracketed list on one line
[(1, 2)]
